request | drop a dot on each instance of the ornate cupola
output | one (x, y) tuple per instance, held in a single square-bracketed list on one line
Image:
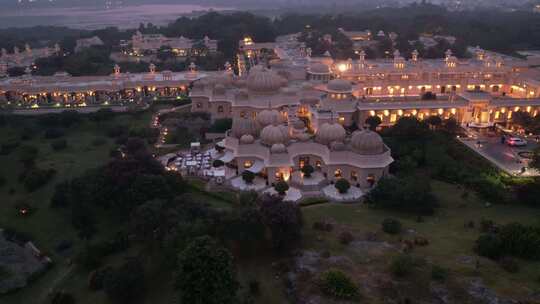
[(399, 61), (414, 55)]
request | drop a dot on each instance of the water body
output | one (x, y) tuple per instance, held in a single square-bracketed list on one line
[(94, 18)]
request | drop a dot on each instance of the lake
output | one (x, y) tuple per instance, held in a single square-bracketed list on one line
[(93, 18)]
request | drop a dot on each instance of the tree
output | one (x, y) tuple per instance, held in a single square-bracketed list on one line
[(281, 187), (535, 161), (248, 176), (434, 121), (391, 226), (283, 219), (342, 185), (205, 273), (126, 283), (307, 170), (409, 194), (373, 122)]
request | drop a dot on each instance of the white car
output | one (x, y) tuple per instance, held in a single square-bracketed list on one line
[(516, 142)]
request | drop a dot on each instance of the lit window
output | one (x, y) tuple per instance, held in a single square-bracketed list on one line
[(243, 114), (220, 109), (338, 173), (248, 164), (199, 105), (318, 164), (354, 176)]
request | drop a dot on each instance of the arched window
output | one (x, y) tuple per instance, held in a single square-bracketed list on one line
[(198, 105), (337, 173), (220, 109)]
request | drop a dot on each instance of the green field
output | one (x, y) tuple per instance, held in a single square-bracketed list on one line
[(449, 238)]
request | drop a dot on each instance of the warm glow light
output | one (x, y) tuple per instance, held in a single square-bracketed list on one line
[(453, 111), (386, 113), (372, 113), (342, 67), (441, 111), (400, 112)]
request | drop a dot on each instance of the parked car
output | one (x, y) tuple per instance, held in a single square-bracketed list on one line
[(516, 142)]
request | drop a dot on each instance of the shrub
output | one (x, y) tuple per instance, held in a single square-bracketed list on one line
[(342, 185), (346, 237), (308, 170), (509, 264), (489, 245), (218, 163), (487, 226), (391, 226), (281, 187), (59, 144), (402, 265), (439, 273), (336, 284), (248, 176), (221, 125)]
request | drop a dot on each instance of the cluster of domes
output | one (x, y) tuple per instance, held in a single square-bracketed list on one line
[(274, 134), (247, 139), (339, 86), (330, 132), (244, 126), (268, 117), (367, 142), (278, 148), (263, 80)]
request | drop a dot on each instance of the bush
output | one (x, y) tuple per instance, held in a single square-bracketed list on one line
[(323, 226), (402, 265), (391, 226), (308, 170), (248, 176), (248, 198), (509, 264), (218, 163), (281, 187), (346, 237), (489, 245), (342, 185), (336, 284), (59, 144), (439, 273)]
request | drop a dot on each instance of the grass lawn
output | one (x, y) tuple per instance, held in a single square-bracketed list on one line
[(48, 226), (449, 239)]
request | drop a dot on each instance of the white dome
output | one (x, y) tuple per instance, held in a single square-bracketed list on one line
[(243, 126), (367, 142), (337, 146), (274, 134), (340, 86), (278, 148), (263, 80), (319, 68), (268, 117), (225, 79), (330, 132), (247, 139)]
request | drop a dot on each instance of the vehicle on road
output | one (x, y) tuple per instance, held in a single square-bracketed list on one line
[(516, 142)]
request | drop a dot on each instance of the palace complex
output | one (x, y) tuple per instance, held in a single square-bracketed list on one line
[(290, 109), (142, 44)]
